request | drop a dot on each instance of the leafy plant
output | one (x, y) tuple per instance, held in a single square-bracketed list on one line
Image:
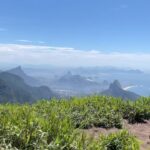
[(57, 124)]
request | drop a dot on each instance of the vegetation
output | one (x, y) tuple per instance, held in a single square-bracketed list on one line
[(57, 124)]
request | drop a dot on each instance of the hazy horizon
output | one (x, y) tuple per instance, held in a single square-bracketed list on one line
[(36, 55)]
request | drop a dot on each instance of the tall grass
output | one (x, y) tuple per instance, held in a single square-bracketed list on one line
[(55, 124)]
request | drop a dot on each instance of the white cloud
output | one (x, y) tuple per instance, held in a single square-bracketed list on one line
[(29, 41), (20, 54), (24, 41)]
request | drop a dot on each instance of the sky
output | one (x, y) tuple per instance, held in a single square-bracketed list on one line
[(75, 32)]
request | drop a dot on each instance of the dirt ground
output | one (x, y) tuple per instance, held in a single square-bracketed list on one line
[(140, 130)]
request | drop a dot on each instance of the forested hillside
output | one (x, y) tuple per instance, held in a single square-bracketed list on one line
[(14, 89)]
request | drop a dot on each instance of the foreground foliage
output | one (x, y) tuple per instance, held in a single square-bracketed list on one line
[(54, 125)]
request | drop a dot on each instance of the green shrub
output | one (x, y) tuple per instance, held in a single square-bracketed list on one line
[(119, 141), (54, 124)]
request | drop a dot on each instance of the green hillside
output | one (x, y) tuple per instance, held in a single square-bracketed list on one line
[(13, 89), (60, 124)]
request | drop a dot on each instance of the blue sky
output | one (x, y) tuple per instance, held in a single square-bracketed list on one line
[(105, 26), (119, 25)]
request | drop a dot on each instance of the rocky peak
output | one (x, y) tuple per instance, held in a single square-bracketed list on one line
[(115, 85)]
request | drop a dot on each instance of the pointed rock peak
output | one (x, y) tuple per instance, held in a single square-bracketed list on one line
[(115, 84), (69, 73), (17, 71), (18, 68), (105, 82), (67, 76)]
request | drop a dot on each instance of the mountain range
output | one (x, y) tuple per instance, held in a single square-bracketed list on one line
[(28, 79), (116, 90), (17, 86), (14, 89), (78, 84), (76, 81)]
